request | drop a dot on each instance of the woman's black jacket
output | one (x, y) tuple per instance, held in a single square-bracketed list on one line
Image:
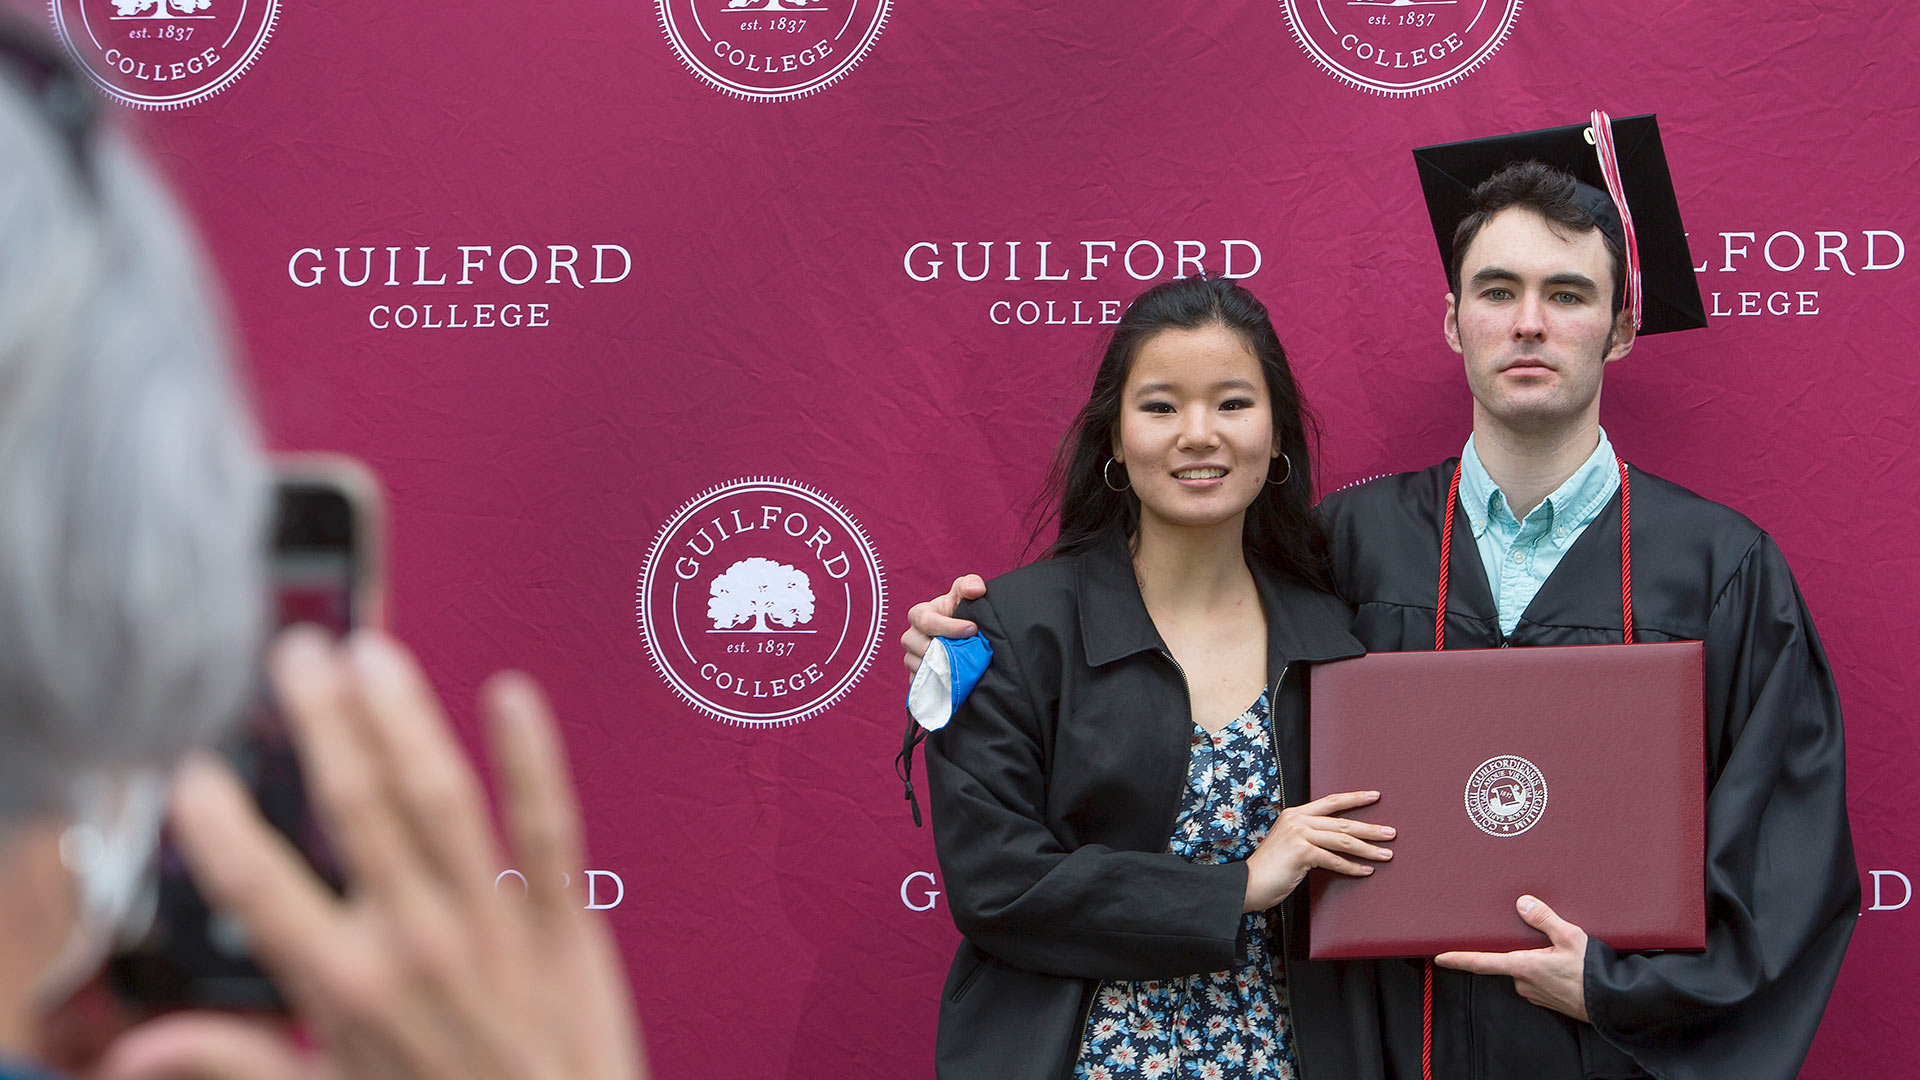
[(1054, 792)]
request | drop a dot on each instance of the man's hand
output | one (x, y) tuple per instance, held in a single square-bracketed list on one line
[(430, 967), (930, 619), (1553, 977)]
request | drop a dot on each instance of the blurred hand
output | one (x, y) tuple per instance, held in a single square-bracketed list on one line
[(423, 970), (934, 618), (1310, 835)]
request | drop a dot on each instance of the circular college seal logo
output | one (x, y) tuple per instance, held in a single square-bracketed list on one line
[(164, 54), (1506, 796), (771, 50), (1401, 47), (761, 602)]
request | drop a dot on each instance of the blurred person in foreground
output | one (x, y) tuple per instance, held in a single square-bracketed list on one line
[(133, 504)]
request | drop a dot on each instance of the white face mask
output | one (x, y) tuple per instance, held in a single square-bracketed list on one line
[(108, 849)]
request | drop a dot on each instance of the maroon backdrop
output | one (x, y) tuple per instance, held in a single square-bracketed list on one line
[(710, 244)]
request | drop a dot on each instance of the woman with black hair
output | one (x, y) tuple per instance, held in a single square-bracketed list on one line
[(1116, 804)]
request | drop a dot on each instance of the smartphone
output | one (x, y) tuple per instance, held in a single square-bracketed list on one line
[(325, 568)]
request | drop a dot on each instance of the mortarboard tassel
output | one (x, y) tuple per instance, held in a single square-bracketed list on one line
[(1601, 135)]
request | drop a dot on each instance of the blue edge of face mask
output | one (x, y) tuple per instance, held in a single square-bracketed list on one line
[(948, 673), (964, 661)]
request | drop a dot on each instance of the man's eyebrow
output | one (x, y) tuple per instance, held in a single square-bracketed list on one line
[(1491, 274), (1578, 281)]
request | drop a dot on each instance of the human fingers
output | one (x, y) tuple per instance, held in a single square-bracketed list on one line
[(1345, 844), (1317, 856), (915, 645), (344, 781), (403, 970), (247, 869), (203, 1046), (317, 948), (439, 797), (540, 808), (929, 619), (1337, 803), (934, 617), (1479, 963), (1365, 830), (1520, 963), (1535, 913)]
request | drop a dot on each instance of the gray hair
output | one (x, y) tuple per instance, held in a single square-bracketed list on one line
[(133, 492)]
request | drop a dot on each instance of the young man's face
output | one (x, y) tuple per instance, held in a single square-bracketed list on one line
[(1533, 322)]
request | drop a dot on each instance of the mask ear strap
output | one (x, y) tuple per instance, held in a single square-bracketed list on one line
[(131, 837), (108, 849), (903, 763)]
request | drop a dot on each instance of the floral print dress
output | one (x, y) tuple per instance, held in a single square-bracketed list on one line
[(1228, 1025)]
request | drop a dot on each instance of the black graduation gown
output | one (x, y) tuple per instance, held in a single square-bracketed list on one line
[(1782, 890)]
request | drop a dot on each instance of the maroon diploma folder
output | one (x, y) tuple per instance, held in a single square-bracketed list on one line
[(1574, 774)]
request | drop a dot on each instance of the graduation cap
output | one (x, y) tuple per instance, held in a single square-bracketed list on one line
[(1623, 157)]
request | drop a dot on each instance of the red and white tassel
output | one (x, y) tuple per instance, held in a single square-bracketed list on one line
[(1610, 168)]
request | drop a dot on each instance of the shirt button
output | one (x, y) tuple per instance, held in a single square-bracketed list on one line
[(1559, 532), (1517, 558)]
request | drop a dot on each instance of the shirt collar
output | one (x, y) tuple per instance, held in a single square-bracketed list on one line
[(1303, 624), (1477, 489), (1575, 503)]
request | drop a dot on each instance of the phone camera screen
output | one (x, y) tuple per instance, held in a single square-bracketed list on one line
[(190, 955)]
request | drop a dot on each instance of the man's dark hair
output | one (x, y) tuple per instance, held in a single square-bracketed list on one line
[(1546, 191)]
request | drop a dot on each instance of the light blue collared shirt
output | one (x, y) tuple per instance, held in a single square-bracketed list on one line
[(1519, 555)]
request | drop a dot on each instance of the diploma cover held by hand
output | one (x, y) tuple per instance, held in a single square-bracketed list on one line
[(1574, 774)]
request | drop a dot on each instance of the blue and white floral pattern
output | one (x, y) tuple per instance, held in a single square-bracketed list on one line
[(1228, 1025)]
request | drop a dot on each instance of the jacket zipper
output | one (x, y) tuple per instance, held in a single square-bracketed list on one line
[(1357, 483), (1280, 771), (1281, 946), (1086, 1012), (1187, 688)]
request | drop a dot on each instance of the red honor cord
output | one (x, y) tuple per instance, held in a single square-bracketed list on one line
[(1440, 642)]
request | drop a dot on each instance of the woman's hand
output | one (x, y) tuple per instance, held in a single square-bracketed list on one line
[(1309, 835), (424, 970)]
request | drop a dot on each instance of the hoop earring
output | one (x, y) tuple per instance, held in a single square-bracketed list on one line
[(1282, 482), (1106, 475)]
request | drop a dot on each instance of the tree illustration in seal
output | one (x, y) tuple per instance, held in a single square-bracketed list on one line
[(775, 5), (760, 589), (162, 9)]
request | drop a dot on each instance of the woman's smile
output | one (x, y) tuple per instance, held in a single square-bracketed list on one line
[(1203, 478)]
